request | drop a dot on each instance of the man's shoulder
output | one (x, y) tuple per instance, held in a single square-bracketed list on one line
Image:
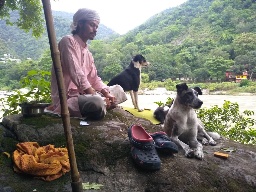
[(66, 40), (67, 37)]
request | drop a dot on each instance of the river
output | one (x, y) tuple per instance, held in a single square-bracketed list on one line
[(244, 102)]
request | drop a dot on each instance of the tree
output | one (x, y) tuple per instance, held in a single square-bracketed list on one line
[(189, 56), (218, 52), (45, 63), (246, 62), (110, 71), (201, 74), (244, 43), (217, 66), (185, 71), (30, 12), (161, 62), (144, 77)]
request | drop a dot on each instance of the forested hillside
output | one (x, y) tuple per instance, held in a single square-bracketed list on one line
[(22, 45), (199, 40)]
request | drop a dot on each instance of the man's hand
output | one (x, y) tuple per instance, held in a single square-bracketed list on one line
[(110, 99), (89, 91), (108, 95), (110, 104)]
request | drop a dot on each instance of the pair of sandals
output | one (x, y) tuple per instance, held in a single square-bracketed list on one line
[(145, 146)]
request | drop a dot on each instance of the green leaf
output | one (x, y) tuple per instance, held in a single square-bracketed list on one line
[(95, 186)]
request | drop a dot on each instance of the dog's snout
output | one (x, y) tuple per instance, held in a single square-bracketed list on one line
[(196, 104), (146, 63), (200, 103)]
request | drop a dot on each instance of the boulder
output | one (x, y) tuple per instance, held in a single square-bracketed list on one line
[(103, 157)]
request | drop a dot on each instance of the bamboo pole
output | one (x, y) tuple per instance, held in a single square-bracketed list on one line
[(76, 183)]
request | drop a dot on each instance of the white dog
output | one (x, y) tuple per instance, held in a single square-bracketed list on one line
[(182, 125)]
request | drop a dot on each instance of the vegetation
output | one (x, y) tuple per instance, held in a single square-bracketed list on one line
[(197, 43), (228, 88), (229, 122), (30, 15), (25, 44), (36, 88), (161, 104)]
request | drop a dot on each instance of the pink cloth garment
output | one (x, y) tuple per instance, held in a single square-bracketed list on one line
[(79, 73)]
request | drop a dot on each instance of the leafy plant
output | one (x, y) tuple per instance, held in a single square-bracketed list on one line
[(161, 104), (38, 83), (229, 122), (36, 89), (30, 15), (169, 101)]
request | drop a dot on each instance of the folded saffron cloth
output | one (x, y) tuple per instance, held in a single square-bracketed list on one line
[(47, 162)]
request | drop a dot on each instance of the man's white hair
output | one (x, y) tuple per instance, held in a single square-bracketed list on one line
[(84, 14)]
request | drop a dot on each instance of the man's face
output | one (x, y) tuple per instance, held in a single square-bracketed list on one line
[(88, 29)]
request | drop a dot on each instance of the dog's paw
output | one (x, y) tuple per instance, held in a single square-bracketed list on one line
[(199, 154), (212, 142), (189, 153), (205, 141), (140, 110)]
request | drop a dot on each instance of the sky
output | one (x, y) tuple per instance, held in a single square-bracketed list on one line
[(118, 15)]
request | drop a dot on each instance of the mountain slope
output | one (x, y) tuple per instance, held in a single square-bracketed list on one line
[(198, 38), (22, 45)]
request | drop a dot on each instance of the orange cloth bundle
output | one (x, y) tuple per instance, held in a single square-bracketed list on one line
[(47, 163)]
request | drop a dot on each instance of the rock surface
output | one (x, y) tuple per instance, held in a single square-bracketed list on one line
[(103, 156)]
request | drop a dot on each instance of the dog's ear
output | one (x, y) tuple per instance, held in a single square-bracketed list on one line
[(136, 58), (198, 90), (181, 87), (139, 58)]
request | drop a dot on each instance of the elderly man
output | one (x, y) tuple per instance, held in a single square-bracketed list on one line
[(87, 95)]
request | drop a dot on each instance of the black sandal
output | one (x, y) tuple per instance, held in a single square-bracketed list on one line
[(163, 143), (143, 149)]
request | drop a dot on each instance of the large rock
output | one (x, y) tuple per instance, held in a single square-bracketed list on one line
[(103, 157)]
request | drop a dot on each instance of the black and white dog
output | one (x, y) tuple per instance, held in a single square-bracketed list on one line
[(161, 111), (182, 125), (130, 78)]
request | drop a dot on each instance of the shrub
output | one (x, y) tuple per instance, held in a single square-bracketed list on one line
[(228, 122), (37, 86), (244, 83)]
